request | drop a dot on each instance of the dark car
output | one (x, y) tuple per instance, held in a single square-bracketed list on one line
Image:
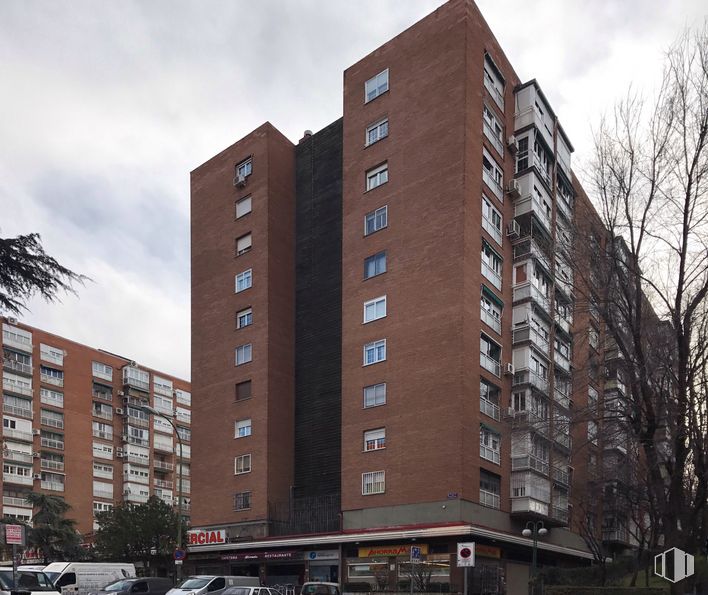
[(148, 585)]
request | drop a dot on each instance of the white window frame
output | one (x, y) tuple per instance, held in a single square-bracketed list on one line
[(377, 176), (378, 218), (376, 86), (373, 482), (245, 278), (493, 129), (48, 353), (244, 244), (490, 313), (242, 464), (381, 129), (243, 206), (493, 176), (244, 318), (246, 351), (489, 214), (374, 439), (375, 347), (492, 265), (375, 309), (489, 445), (243, 428), (244, 168), (374, 397), (101, 370)]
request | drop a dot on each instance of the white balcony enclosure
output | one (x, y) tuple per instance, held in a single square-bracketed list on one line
[(531, 108), (16, 338)]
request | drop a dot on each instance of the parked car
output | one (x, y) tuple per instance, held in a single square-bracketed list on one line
[(80, 578), (212, 585), (34, 581), (149, 585), (319, 588), (251, 591)]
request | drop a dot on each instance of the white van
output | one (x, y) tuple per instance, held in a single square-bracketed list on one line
[(206, 584), (34, 581), (78, 578)]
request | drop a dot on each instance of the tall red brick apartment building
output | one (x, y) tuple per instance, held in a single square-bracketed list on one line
[(71, 428), (382, 323)]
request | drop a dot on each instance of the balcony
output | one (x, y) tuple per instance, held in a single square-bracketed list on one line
[(524, 291), (560, 514), (531, 334), (16, 502), (563, 323), (528, 507), (620, 536), (563, 440), (494, 277), (495, 93), (144, 461), (102, 395), (48, 379), (18, 434), (49, 399), (492, 184), (55, 486), (52, 423), (561, 398), (489, 408), (527, 248), (17, 456), (492, 230), (136, 378), (138, 422), (560, 475), (107, 494), (531, 378), (52, 443), (562, 362), (531, 116), (163, 483), (490, 320), (489, 499), (163, 446), (102, 434), (15, 366), (55, 465), (493, 138), (135, 440), (162, 465), (13, 386), (527, 462), (616, 384), (17, 411), (107, 415), (23, 480), (16, 341), (489, 364), (138, 498), (563, 207)]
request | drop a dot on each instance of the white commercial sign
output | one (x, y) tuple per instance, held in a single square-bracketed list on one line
[(465, 554)]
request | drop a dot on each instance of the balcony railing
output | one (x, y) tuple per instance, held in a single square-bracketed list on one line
[(561, 398), (163, 483), (145, 461), (493, 138), (13, 386), (47, 379), (162, 465), (560, 513), (138, 422), (489, 454), (107, 415), (163, 447), (490, 320), (18, 341), (528, 248), (135, 383), (103, 474), (494, 277), (25, 480), (53, 465), (530, 115), (617, 535), (489, 499), (16, 502), (564, 208), (531, 378), (529, 462), (527, 290), (15, 366), (50, 399), (563, 440), (103, 395), (135, 440), (102, 434), (18, 411), (562, 362), (17, 434), (564, 324), (17, 456), (51, 443), (489, 408), (51, 422), (494, 92), (140, 498), (490, 364), (560, 475), (492, 230), (52, 485), (615, 384), (528, 505), (532, 334), (108, 494), (493, 185), (530, 204)]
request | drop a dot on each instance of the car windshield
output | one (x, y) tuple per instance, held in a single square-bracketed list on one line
[(53, 576), (29, 581), (118, 586), (194, 583)]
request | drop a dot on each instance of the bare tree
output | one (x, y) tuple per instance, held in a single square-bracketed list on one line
[(650, 273)]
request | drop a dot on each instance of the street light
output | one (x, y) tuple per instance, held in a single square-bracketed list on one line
[(151, 410), (534, 529)]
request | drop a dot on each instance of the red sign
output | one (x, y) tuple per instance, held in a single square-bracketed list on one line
[(206, 537), (13, 535)]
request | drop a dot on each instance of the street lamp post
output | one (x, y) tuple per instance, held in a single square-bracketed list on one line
[(151, 410), (534, 529)]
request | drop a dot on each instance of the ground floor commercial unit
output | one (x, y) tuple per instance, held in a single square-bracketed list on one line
[(381, 558)]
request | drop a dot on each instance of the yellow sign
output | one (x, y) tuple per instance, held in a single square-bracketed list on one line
[(488, 551), (391, 550)]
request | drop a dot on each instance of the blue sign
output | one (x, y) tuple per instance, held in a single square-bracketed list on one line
[(180, 554)]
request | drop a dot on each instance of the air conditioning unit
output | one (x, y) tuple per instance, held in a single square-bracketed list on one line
[(513, 189), (119, 411), (510, 369), (133, 363), (36, 432), (240, 181), (36, 455), (121, 393), (37, 476), (12, 320), (513, 144), (513, 229)]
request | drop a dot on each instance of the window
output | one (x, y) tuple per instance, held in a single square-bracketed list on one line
[(489, 444), (163, 386), (374, 309), (375, 439), (53, 419), (243, 207), (494, 82), (593, 337), (376, 132), (489, 399), (373, 482), (490, 355), (522, 154), (245, 168), (489, 489), (490, 309), (243, 354), (243, 244), (592, 432), (242, 501), (243, 428), (242, 464), (244, 318), (376, 177), (491, 220), (101, 507), (243, 390), (100, 370), (375, 395), (102, 451), (51, 354), (492, 175), (375, 265), (376, 86), (244, 280), (376, 220), (492, 265), (374, 352), (51, 375), (493, 129)]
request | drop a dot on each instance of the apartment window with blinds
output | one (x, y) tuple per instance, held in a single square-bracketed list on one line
[(375, 395), (374, 439), (377, 176), (243, 207), (244, 354), (373, 482), (489, 489), (244, 280), (243, 244), (243, 390), (243, 428), (242, 464), (376, 220), (244, 318), (375, 86), (377, 131), (374, 352), (245, 168), (375, 309), (489, 445)]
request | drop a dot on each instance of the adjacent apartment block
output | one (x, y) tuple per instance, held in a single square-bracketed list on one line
[(383, 329), (70, 414)]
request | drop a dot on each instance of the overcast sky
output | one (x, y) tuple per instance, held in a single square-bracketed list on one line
[(107, 107)]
